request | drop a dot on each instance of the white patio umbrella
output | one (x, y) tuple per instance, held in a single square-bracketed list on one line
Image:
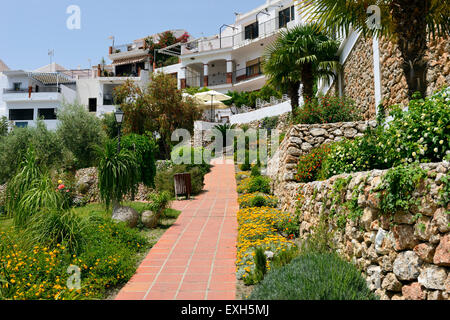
[(213, 99)]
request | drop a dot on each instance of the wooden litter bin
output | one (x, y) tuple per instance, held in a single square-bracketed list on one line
[(183, 185)]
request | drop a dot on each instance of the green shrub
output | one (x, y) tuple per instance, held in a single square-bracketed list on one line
[(246, 166), (314, 276), (270, 123), (26, 175), (53, 227), (256, 171), (48, 149), (145, 151), (4, 125), (397, 188), (109, 125), (30, 191), (160, 202), (81, 133), (419, 134), (309, 165), (257, 200), (42, 194), (260, 261), (198, 158), (118, 173), (249, 98), (164, 180), (326, 109), (259, 184)]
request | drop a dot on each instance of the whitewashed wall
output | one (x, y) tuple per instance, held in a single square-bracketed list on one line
[(260, 114)]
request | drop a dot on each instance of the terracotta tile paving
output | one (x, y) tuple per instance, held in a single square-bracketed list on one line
[(195, 258)]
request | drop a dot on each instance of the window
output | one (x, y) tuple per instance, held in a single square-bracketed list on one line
[(252, 31), (47, 114), (92, 104), (285, 16), (21, 124), (21, 114), (17, 85), (253, 67)]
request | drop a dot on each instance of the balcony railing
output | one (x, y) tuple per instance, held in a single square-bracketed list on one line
[(265, 29), (128, 47), (239, 75), (33, 90)]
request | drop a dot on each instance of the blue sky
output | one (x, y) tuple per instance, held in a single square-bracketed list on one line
[(29, 28)]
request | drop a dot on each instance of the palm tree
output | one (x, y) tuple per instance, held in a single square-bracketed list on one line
[(406, 22), (300, 55), (223, 130)]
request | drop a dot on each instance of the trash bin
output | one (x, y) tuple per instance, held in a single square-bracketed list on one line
[(183, 185)]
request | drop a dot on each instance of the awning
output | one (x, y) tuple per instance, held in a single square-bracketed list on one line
[(51, 78), (120, 62)]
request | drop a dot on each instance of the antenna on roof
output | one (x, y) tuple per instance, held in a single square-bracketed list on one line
[(51, 54)]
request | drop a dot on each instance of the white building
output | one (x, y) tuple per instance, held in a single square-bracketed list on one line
[(96, 93), (27, 96), (231, 60), (3, 68)]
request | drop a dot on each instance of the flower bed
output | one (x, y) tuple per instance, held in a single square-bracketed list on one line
[(258, 228), (257, 200)]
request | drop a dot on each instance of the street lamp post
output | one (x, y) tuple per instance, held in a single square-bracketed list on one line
[(119, 119)]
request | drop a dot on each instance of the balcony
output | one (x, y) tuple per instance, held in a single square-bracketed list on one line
[(238, 39), (32, 94)]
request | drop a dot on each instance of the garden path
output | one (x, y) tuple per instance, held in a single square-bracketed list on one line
[(195, 258)]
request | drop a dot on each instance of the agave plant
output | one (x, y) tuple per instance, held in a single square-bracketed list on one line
[(406, 22), (300, 55)]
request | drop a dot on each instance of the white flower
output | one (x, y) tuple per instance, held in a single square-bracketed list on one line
[(414, 154), (441, 142), (436, 150)]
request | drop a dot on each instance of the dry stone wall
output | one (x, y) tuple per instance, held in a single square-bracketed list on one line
[(401, 258), (393, 81), (300, 140), (358, 77)]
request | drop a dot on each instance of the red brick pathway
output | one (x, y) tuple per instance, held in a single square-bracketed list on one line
[(195, 258)]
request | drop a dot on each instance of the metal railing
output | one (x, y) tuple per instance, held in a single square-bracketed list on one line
[(78, 74), (33, 90), (128, 47), (241, 38)]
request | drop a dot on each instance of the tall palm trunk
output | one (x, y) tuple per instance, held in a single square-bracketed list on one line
[(294, 96), (308, 82), (410, 27)]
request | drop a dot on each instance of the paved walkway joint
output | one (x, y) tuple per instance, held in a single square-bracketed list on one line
[(195, 258)]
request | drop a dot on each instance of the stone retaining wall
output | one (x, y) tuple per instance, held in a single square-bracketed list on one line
[(358, 77), (405, 258), (301, 139)]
